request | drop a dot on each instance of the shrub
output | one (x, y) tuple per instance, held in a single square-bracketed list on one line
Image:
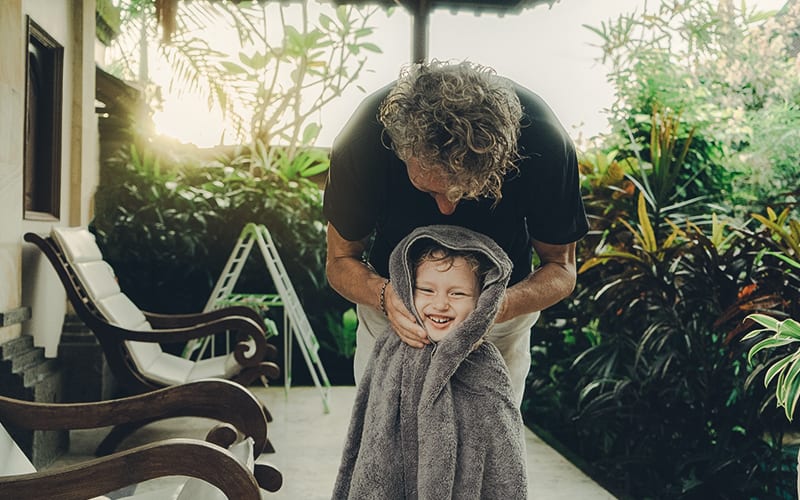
[(169, 228)]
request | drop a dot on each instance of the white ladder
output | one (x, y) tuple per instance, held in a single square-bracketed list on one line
[(295, 321)]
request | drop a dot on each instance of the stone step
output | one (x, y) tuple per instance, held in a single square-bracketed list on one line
[(44, 446), (73, 324), (27, 375), (24, 360), (15, 346), (36, 374)]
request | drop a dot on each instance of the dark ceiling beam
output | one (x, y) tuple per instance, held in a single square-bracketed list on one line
[(420, 11), (421, 19)]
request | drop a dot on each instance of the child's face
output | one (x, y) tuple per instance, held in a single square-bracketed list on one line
[(444, 295)]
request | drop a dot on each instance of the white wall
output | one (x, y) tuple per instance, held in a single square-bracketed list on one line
[(25, 277), (12, 94)]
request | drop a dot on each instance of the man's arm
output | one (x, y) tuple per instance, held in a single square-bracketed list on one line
[(552, 281), (354, 280)]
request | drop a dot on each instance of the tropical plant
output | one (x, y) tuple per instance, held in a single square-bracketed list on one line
[(645, 385), (785, 368), (727, 69), (168, 229), (640, 373), (343, 331), (269, 67)]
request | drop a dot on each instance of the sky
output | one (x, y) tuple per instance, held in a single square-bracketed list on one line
[(544, 48)]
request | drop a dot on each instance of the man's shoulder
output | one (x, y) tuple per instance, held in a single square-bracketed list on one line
[(363, 129), (536, 112)]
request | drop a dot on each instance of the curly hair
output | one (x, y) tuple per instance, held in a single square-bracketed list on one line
[(459, 119), (437, 253)]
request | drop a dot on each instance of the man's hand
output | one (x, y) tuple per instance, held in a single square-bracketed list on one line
[(358, 283), (403, 321)]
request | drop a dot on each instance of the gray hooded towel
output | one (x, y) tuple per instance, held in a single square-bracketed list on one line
[(438, 422)]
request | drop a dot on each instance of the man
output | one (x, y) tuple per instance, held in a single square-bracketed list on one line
[(453, 144)]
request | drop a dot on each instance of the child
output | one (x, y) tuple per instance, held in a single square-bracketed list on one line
[(441, 421), (446, 288)]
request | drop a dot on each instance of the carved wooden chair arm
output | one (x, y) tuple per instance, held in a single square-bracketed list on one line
[(247, 354), (171, 457), (217, 399), (160, 320), (166, 321)]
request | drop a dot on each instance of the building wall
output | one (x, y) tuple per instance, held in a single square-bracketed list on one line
[(12, 96), (26, 279)]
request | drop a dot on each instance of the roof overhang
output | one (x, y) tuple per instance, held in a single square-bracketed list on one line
[(420, 11)]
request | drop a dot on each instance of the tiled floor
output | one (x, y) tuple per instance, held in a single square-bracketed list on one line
[(308, 445)]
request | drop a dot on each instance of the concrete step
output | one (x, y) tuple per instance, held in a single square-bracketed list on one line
[(36, 374), (27, 375), (26, 360), (73, 324), (14, 346)]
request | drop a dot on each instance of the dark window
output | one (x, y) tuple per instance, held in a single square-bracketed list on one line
[(42, 177)]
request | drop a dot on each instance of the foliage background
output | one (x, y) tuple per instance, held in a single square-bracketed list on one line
[(640, 376), (168, 215)]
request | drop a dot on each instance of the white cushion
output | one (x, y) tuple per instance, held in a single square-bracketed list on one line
[(216, 367), (143, 353), (77, 243), (98, 279), (12, 459), (166, 368), (121, 311)]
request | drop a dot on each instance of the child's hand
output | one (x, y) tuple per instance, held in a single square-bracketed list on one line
[(403, 322)]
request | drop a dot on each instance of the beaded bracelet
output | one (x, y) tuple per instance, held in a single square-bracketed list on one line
[(383, 297)]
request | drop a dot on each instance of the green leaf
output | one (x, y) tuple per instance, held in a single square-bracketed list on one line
[(785, 258), (776, 369), (755, 333), (786, 391), (350, 319), (648, 235), (310, 133), (232, 67), (325, 21), (341, 14), (764, 320), (372, 48), (790, 328), (792, 396), (317, 169)]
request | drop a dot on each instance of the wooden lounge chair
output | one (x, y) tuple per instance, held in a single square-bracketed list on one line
[(131, 339), (225, 459)]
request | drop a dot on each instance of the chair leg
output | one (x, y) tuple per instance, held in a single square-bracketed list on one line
[(117, 435), (267, 413)]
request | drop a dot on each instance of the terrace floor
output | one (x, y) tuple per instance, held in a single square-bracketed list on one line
[(308, 445)]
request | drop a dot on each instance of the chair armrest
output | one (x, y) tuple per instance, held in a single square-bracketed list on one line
[(163, 322), (171, 457), (246, 355), (218, 399), (159, 320)]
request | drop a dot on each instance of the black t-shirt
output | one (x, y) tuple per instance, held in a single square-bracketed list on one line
[(368, 189)]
